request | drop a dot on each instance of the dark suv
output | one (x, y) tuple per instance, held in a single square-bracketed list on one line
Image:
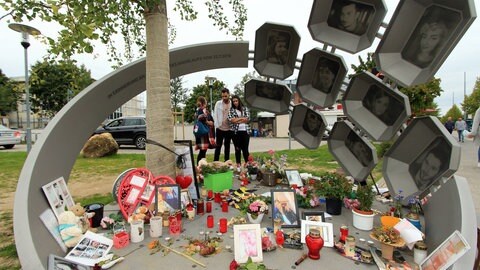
[(129, 130)]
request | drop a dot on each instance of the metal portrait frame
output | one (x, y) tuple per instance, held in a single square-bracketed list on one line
[(300, 127), (277, 100), (292, 201), (380, 125), (178, 205), (396, 51), (339, 148), (413, 146), (265, 37), (314, 62), (320, 30)]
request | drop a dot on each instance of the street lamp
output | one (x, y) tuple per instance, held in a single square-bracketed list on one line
[(26, 31), (210, 81)]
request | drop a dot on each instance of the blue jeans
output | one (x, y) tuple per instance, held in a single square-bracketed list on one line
[(460, 136)]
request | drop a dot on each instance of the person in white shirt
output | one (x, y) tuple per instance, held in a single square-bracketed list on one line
[(239, 117), (460, 126), (222, 126)]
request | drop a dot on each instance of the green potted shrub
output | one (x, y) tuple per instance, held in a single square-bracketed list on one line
[(363, 214), (334, 187)]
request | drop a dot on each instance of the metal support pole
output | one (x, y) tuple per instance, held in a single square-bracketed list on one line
[(27, 98)]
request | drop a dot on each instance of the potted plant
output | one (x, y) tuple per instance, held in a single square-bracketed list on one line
[(217, 176), (363, 214), (273, 168), (252, 168), (334, 187), (255, 208)]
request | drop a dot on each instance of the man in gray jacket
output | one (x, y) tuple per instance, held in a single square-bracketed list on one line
[(222, 127), (460, 126)]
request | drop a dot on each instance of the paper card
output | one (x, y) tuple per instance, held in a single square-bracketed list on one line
[(90, 250), (446, 254), (58, 196), (408, 232)]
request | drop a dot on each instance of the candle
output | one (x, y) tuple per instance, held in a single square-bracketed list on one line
[(343, 233), (209, 206), (223, 225), (210, 194), (218, 198), (175, 225), (200, 205), (224, 206), (203, 192), (156, 224), (210, 221)]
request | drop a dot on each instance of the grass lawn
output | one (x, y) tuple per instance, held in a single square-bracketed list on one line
[(311, 161)]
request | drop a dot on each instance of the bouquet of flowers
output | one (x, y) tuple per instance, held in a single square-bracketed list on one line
[(257, 207), (306, 196), (251, 165), (274, 164)]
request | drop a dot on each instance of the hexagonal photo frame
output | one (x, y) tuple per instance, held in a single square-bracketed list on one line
[(276, 49), (355, 154), (423, 154), (320, 78), (307, 126), (348, 25), (377, 109), (267, 96), (420, 36)]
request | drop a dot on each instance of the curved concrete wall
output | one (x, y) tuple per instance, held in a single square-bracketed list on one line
[(55, 153)]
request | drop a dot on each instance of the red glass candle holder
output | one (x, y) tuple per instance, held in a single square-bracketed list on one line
[(225, 206), (343, 233), (210, 221), (210, 194), (209, 206), (218, 197), (175, 225), (200, 207), (223, 225)]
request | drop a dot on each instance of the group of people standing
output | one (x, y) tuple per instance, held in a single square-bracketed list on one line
[(229, 122), (460, 126)]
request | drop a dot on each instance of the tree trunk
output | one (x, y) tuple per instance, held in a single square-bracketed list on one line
[(159, 115)]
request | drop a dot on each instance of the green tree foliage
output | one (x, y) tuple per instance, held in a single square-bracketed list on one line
[(453, 112), (421, 96), (8, 97), (53, 83), (85, 23), (202, 90), (178, 94), (472, 101)]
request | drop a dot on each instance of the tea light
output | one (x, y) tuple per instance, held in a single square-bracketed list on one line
[(167, 238)]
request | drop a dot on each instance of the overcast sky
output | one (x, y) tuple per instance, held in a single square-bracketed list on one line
[(463, 59)]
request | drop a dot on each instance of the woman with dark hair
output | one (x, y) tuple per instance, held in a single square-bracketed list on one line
[(239, 117), (325, 74), (277, 51), (205, 142)]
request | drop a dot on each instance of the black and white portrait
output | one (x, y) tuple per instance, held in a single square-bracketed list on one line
[(269, 91), (358, 148), (325, 74), (382, 104), (312, 122), (431, 163), (430, 35), (350, 16), (278, 46)]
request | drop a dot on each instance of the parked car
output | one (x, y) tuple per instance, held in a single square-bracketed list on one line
[(9, 137), (130, 130)]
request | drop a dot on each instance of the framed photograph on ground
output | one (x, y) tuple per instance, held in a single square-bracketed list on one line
[(185, 198), (318, 216), (167, 198), (284, 207), (90, 250), (55, 263), (293, 177), (326, 231), (452, 249), (247, 242), (58, 196)]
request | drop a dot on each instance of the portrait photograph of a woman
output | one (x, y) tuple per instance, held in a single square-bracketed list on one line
[(278, 46), (382, 104)]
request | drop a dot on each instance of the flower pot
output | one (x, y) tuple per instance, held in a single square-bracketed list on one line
[(253, 177), (255, 220), (269, 178), (363, 220), (334, 206)]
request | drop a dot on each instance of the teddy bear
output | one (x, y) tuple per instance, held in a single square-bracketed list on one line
[(141, 213), (83, 217), (69, 230)]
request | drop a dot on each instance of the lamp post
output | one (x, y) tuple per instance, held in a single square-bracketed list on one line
[(26, 31), (210, 81)]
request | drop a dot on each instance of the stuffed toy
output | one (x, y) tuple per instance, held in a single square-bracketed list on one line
[(69, 230), (142, 213), (83, 217)]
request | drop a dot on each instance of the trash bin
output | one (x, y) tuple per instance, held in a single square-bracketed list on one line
[(97, 208), (255, 132)]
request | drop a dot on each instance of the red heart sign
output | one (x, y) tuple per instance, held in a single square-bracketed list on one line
[(183, 181)]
